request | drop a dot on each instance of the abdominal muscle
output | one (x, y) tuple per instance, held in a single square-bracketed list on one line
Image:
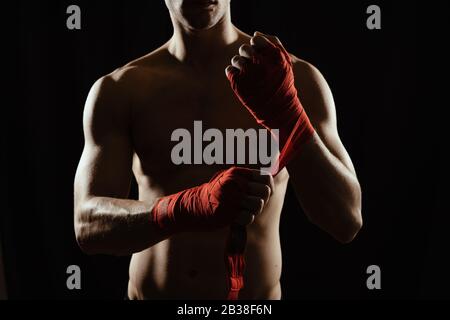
[(191, 265)]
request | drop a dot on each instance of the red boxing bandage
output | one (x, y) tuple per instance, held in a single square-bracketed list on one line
[(211, 205), (265, 86), (234, 260)]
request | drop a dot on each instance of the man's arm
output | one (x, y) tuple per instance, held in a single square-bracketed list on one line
[(323, 175), (105, 221), (321, 170)]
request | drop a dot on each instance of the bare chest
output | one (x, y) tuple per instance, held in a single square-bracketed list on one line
[(187, 108)]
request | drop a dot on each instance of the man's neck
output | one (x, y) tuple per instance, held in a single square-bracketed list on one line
[(197, 46)]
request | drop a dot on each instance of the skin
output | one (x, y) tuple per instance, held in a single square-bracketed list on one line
[(128, 120)]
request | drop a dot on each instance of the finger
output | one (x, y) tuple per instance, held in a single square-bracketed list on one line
[(238, 62), (244, 218), (266, 179), (260, 42), (276, 41), (254, 175), (246, 51), (272, 39), (260, 190), (247, 173), (231, 71), (253, 204)]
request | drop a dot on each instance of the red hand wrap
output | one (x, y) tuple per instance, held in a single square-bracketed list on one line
[(211, 205), (265, 86)]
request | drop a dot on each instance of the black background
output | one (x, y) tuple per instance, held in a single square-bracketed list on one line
[(373, 78)]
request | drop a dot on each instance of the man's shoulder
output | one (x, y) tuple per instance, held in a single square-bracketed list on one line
[(314, 91), (158, 59), (304, 70), (153, 65), (308, 77)]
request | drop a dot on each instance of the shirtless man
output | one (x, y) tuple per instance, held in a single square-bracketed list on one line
[(129, 117)]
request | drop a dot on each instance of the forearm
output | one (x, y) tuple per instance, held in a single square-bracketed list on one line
[(328, 190), (115, 226)]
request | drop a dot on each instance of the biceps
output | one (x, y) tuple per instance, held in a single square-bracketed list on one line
[(104, 171)]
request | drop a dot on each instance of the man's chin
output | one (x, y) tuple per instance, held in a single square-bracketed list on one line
[(198, 25)]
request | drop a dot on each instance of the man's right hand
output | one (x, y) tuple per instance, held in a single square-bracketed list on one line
[(233, 195)]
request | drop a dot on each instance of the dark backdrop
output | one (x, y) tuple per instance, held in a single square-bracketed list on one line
[(372, 75)]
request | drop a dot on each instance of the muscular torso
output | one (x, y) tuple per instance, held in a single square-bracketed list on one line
[(166, 95)]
